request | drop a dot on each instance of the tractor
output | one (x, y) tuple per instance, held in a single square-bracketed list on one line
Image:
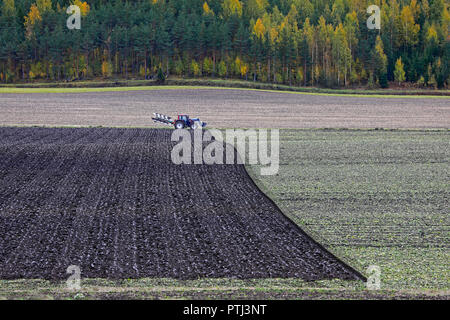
[(183, 121)]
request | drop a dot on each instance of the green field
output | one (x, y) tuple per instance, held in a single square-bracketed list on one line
[(178, 83), (372, 197)]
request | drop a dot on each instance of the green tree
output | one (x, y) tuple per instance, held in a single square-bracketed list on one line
[(409, 30), (399, 73), (379, 62), (195, 68), (341, 53), (222, 69), (304, 8), (232, 8), (8, 8), (207, 66), (255, 9)]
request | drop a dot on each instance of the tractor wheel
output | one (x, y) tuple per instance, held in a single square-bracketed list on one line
[(179, 124), (195, 125)]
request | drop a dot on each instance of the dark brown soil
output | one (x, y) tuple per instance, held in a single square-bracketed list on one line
[(112, 202)]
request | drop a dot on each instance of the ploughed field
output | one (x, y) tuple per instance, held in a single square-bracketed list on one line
[(223, 108), (112, 202)]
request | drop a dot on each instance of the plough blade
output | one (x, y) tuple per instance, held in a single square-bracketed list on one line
[(161, 118)]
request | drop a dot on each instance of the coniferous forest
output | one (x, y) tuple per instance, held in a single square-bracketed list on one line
[(294, 42)]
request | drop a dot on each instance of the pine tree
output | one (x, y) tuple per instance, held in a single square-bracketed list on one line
[(379, 60)]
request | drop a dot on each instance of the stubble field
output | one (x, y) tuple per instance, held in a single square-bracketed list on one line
[(223, 108), (373, 197)]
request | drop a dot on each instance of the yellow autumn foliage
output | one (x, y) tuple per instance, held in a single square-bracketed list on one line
[(232, 7), (244, 70), (259, 30), (237, 65), (106, 69), (30, 20), (84, 7), (432, 34), (33, 16), (207, 10)]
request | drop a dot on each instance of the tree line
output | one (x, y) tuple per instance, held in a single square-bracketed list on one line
[(295, 42)]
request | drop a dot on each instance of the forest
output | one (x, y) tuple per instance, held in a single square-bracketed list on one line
[(294, 42)]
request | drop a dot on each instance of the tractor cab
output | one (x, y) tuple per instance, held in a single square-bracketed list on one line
[(183, 121), (183, 117)]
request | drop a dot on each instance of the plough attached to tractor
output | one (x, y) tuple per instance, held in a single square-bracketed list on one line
[(183, 121)]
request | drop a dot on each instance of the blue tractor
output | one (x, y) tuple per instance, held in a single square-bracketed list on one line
[(183, 121)]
